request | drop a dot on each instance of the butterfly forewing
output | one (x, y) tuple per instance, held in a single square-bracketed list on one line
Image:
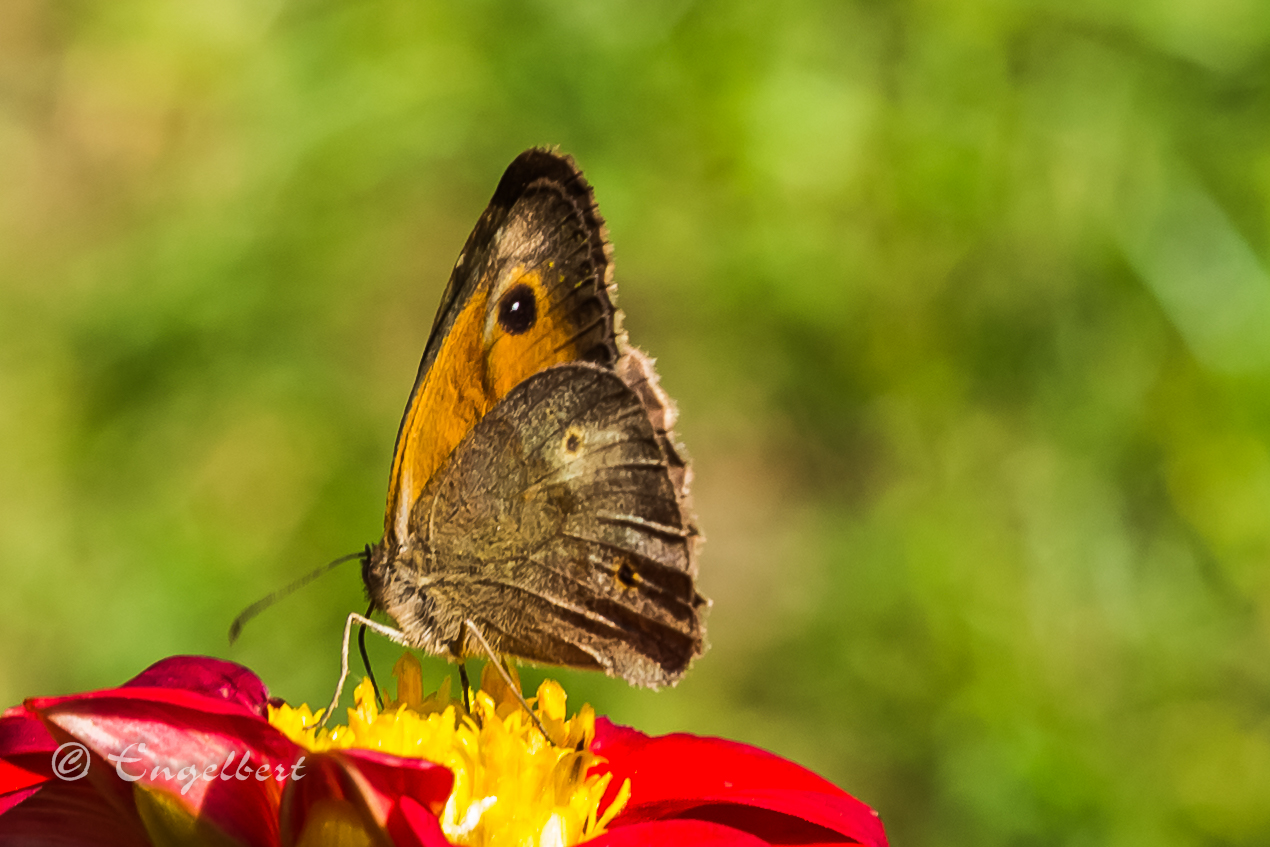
[(530, 290)]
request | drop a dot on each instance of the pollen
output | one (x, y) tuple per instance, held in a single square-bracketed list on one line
[(511, 785)]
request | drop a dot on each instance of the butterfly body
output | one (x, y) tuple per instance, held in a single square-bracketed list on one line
[(536, 488)]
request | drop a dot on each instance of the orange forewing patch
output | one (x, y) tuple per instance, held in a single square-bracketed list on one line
[(468, 376), (514, 358), (450, 401)]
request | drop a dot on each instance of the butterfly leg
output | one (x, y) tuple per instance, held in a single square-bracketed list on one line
[(386, 631), (467, 686), (361, 647), (507, 678)]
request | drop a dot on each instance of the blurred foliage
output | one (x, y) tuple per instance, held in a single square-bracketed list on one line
[(965, 305)]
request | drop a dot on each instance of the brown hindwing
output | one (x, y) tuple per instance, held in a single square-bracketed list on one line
[(560, 526)]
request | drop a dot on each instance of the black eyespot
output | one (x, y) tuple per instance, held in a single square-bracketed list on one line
[(571, 443), (517, 311), (626, 575)]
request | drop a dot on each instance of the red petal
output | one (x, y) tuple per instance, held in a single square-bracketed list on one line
[(22, 732), (211, 677), (191, 742), (394, 795), (25, 754), (673, 832), (14, 778), (26, 749), (70, 814), (688, 776), (415, 824), (12, 798), (26, 745)]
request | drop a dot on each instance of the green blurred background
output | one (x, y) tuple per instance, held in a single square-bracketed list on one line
[(965, 306)]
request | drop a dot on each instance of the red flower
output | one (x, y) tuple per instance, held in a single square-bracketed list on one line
[(185, 753)]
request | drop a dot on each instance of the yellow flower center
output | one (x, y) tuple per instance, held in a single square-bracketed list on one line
[(511, 785)]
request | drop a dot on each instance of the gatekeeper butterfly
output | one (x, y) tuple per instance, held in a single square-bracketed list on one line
[(537, 494)]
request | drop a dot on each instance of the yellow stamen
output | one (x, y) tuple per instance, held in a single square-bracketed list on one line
[(511, 785)]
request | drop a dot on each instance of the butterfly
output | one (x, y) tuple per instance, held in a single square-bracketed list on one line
[(538, 502)]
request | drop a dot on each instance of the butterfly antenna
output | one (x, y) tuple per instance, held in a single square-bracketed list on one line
[(260, 605)]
